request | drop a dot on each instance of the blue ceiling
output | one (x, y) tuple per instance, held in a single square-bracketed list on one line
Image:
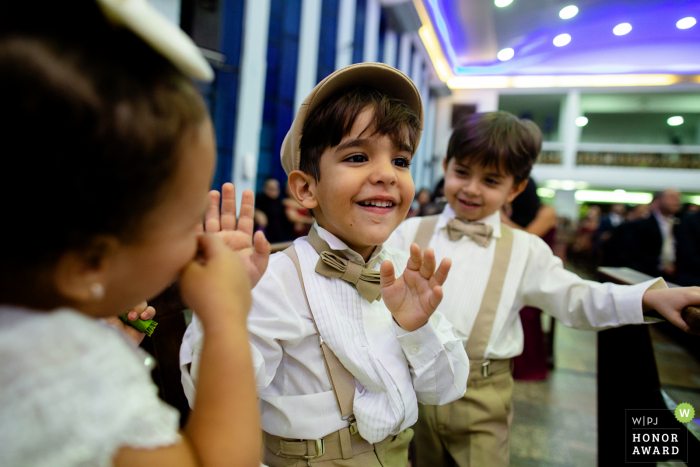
[(472, 31)]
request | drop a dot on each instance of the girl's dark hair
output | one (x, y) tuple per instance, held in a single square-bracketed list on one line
[(333, 120), (526, 205), (92, 119), (497, 139)]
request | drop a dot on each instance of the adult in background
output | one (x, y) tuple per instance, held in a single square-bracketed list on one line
[(650, 244), (688, 264), (270, 215)]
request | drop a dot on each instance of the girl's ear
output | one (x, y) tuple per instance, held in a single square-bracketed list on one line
[(516, 190), (303, 188), (444, 164), (82, 276)]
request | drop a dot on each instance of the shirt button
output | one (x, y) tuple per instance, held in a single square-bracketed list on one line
[(413, 350)]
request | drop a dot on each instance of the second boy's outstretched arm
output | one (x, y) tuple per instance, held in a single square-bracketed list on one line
[(415, 295)]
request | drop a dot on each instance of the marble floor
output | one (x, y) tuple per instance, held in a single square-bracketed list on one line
[(555, 420)]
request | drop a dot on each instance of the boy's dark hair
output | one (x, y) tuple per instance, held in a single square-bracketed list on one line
[(91, 127), (497, 139), (333, 120)]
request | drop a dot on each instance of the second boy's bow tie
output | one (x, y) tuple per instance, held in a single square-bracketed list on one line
[(332, 264), (477, 231)]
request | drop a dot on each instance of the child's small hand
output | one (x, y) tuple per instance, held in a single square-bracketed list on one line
[(216, 284), (255, 255), (143, 311), (670, 303), (413, 297)]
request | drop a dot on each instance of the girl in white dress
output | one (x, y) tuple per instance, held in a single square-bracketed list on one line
[(108, 155)]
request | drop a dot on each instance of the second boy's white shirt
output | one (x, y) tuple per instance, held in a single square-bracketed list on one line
[(535, 277), (393, 369)]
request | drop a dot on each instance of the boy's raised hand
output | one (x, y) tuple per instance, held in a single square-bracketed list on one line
[(413, 297), (670, 303), (222, 223)]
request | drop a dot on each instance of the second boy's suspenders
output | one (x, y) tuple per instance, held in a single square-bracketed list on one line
[(481, 331), (342, 381)]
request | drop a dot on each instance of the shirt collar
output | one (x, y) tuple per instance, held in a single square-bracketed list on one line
[(494, 220), (337, 244)]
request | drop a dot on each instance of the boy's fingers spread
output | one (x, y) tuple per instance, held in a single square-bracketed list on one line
[(260, 243), (440, 275), (428, 267), (228, 207), (416, 259), (386, 274), (212, 219), (245, 220), (436, 297)]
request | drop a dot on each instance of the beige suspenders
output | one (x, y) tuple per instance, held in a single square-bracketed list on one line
[(481, 331), (342, 381)]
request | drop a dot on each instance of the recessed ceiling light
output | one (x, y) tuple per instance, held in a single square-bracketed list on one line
[(502, 3), (568, 12), (581, 121), (505, 54), (561, 40), (675, 121), (622, 29), (686, 23)]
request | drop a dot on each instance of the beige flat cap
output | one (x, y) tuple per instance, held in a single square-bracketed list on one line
[(377, 75)]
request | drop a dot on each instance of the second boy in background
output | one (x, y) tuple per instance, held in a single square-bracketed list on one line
[(496, 272)]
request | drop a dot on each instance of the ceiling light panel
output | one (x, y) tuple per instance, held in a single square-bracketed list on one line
[(505, 54), (622, 29), (686, 23), (561, 40), (502, 3), (568, 12)]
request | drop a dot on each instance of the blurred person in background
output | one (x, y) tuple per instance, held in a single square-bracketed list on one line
[(649, 245), (437, 202), (527, 212), (270, 213), (687, 210), (688, 264), (423, 197), (610, 221), (637, 212), (583, 247), (300, 217)]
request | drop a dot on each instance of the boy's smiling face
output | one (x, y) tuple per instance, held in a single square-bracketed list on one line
[(365, 188), (475, 192)]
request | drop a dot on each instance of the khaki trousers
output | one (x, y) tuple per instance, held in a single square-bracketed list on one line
[(341, 450), (472, 431)]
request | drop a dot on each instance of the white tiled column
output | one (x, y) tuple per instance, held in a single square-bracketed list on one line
[(346, 33), (372, 17), (404, 62), (307, 62), (390, 44), (251, 95)]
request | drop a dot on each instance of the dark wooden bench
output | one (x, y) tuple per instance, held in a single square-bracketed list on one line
[(628, 379)]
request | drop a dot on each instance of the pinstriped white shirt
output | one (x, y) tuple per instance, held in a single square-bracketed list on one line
[(535, 277), (393, 369)]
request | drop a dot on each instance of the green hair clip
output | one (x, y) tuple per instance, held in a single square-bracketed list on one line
[(145, 326)]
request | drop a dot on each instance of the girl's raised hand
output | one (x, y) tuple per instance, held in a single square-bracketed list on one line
[(254, 252), (413, 297), (143, 311)]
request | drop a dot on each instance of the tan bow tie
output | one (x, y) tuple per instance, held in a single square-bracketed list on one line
[(477, 231), (332, 264)]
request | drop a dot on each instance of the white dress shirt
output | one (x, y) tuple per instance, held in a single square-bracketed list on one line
[(668, 242), (393, 369), (535, 278)]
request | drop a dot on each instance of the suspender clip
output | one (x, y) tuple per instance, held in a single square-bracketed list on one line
[(353, 425), (485, 368)]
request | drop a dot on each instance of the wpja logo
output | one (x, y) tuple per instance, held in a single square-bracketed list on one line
[(654, 435)]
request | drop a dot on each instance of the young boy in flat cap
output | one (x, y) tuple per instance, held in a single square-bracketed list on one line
[(350, 400), (498, 271)]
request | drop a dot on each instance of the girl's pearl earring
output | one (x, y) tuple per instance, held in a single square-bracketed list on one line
[(97, 290)]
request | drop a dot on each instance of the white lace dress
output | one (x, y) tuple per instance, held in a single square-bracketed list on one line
[(73, 391)]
